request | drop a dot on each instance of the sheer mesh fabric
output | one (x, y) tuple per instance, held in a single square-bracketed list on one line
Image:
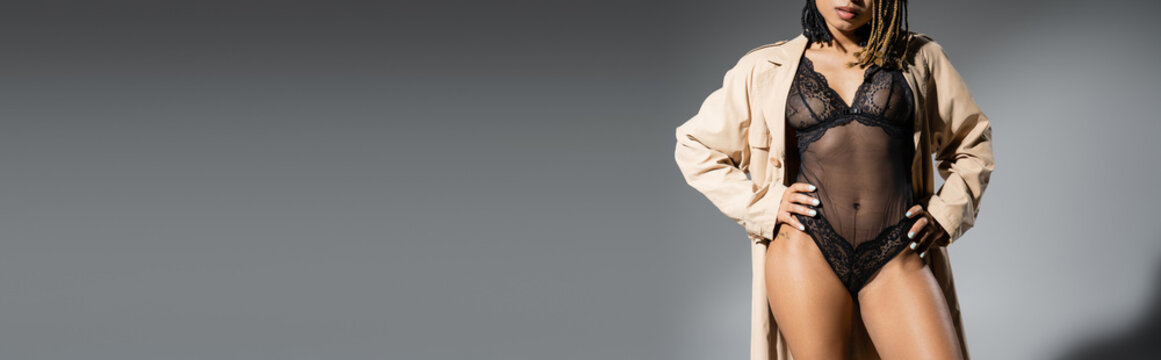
[(859, 157)]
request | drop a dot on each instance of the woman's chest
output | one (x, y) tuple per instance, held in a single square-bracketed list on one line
[(771, 130)]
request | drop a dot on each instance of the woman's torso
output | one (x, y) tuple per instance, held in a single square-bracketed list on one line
[(859, 155)]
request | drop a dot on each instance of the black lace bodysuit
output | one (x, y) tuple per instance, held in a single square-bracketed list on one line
[(859, 156)]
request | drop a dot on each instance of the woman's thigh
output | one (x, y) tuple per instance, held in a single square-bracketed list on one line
[(812, 307), (905, 312)]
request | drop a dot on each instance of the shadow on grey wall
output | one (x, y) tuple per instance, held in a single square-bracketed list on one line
[(1141, 340)]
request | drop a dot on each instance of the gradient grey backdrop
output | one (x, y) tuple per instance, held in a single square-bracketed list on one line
[(495, 180)]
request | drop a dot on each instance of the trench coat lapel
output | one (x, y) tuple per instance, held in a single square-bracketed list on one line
[(785, 59)]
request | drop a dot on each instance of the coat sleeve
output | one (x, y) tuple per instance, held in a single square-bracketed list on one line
[(961, 137), (712, 149)]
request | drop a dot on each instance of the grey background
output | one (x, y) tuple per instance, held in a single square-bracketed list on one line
[(494, 180)]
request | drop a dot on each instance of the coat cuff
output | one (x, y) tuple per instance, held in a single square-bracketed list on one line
[(762, 215), (946, 217)]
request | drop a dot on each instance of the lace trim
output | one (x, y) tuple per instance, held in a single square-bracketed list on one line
[(854, 265), (814, 132), (833, 95), (821, 86)]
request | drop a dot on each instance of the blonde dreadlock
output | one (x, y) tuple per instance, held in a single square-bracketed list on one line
[(888, 25)]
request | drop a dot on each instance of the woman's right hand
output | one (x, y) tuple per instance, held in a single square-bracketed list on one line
[(795, 201)]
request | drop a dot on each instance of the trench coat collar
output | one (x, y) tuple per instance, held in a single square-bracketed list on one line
[(789, 51)]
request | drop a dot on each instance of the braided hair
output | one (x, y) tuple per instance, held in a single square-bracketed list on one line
[(880, 38)]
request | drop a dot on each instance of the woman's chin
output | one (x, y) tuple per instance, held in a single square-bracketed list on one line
[(847, 27)]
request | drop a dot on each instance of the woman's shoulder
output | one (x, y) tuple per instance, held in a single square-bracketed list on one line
[(920, 49), (923, 45)]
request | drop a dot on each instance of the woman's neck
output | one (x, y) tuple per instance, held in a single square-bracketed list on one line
[(845, 41)]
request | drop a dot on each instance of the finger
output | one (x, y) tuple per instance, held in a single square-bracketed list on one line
[(914, 210), (804, 210), (790, 220), (806, 199), (804, 187), (914, 234), (925, 242), (916, 228)]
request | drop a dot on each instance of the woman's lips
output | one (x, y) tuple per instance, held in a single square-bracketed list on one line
[(845, 13)]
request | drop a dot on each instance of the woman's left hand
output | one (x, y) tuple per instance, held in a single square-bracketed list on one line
[(926, 232)]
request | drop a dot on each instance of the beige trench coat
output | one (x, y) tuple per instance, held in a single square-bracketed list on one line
[(740, 130)]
